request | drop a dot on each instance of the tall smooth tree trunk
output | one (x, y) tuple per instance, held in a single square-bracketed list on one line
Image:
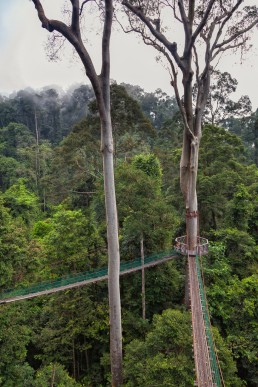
[(255, 132), (37, 165), (101, 87), (143, 280), (188, 180), (192, 208), (113, 255)]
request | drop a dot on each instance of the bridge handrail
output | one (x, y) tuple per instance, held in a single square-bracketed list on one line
[(80, 277), (218, 380)]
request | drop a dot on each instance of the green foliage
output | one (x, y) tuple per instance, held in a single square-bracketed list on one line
[(255, 140), (13, 138), (22, 202), (164, 288), (70, 241), (54, 374), (226, 361), (253, 219), (220, 107), (77, 162), (234, 304), (216, 266), (9, 168), (15, 335), (139, 198), (127, 115), (15, 248), (75, 325), (165, 357), (127, 119), (149, 164), (68, 333), (76, 165), (240, 208), (158, 106), (222, 175), (240, 249)]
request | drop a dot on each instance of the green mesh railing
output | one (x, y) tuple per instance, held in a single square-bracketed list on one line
[(80, 277), (212, 352)]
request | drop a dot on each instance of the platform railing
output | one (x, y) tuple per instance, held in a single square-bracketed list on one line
[(201, 248)]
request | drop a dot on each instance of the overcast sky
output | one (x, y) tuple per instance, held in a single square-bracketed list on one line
[(24, 62)]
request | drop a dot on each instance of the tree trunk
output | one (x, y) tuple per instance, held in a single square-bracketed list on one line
[(113, 255), (143, 281), (192, 210), (37, 165), (256, 142), (101, 87), (87, 360), (74, 361), (53, 376), (188, 180)]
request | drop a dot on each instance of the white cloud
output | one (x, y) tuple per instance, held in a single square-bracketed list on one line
[(24, 62)]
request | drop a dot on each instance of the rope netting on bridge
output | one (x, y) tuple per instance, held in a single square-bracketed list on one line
[(214, 363), (84, 277)]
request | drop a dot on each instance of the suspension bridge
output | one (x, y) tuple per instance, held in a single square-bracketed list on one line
[(207, 370), (81, 279)]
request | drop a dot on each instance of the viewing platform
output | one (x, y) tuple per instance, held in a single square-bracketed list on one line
[(202, 247)]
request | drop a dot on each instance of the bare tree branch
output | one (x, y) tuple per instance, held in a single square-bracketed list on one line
[(174, 11), (83, 193), (191, 12), (174, 84), (226, 19), (41, 15), (196, 64), (122, 27), (76, 18), (229, 47), (105, 70), (172, 47), (53, 51), (186, 25), (236, 35), (201, 24), (82, 6), (56, 25), (182, 13)]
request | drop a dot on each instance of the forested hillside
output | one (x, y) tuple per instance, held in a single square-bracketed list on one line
[(53, 224)]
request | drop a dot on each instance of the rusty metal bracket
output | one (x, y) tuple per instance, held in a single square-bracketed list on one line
[(192, 214)]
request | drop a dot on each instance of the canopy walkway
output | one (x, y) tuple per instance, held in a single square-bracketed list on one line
[(81, 279), (207, 368), (208, 373)]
